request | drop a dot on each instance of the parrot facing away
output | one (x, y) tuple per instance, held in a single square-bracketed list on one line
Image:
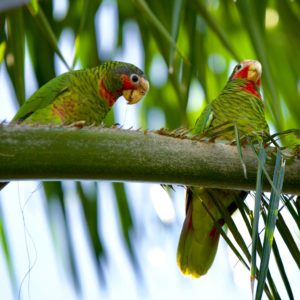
[(83, 95), (239, 104)]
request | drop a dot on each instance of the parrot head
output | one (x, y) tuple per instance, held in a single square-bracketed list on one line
[(248, 71), (135, 86), (123, 79)]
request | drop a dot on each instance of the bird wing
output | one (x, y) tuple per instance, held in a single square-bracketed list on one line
[(44, 96), (204, 121)]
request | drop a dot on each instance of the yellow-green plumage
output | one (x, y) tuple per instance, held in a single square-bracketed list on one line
[(199, 237), (234, 106), (83, 95), (240, 105)]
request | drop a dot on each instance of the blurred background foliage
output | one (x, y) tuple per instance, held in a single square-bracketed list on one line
[(187, 49)]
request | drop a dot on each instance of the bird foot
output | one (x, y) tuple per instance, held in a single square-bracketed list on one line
[(77, 124), (116, 125)]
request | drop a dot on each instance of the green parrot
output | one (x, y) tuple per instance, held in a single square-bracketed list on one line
[(239, 104), (83, 96)]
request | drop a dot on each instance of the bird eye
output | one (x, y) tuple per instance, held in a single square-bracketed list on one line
[(134, 78), (238, 67)]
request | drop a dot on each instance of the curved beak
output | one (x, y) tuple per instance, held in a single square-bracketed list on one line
[(135, 95), (254, 71)]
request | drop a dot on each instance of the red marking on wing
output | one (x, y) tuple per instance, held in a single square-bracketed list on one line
[(189, 219), (58, 111), (188, 222), (214, 233)]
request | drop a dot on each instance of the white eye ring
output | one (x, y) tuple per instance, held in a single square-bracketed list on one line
[(134, 78), (238, 67)]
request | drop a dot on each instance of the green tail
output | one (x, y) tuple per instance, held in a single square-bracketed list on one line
[(239, 104), (199, 237)]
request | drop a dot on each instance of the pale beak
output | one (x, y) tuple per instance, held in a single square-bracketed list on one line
[(135, 95), (254, 72)]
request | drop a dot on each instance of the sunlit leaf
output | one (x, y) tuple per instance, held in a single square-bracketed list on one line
[(126, 222), (54, 194), (2, 38), (156, 24), (45, 27), (7, 252), (89, 204), (178, 10), (270, 225), (282, 270), (15, 52), (258, 195), (203, 12)]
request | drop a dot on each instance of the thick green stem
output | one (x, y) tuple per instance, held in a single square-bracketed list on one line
[(46, 153)]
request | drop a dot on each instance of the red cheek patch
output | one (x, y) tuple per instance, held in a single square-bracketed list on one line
[(242, 73), (127, 83)]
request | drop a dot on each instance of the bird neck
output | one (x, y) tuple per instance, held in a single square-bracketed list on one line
[(110, 87), (107, 95), (240, 84)]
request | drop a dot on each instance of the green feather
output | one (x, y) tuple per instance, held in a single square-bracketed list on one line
[(74, 96), (199, 237), (237, 107), (83, 96), (204, 121), (44, 96), (233, 108)]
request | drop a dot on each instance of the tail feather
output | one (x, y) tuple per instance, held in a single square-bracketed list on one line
[(199, 237)]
